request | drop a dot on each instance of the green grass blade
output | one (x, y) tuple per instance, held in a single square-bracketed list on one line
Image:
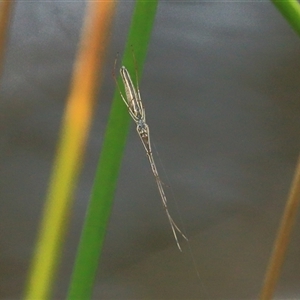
[(94, 229), (71, 146), (290, 9)]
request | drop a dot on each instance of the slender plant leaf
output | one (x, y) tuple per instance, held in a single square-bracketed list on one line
[(95, 225), (6, 11), (70, 151), (290, 9)]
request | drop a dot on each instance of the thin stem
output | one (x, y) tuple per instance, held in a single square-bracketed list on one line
[(71, 145), (98, 213), (283, 238), (290, 9), (6, 7)]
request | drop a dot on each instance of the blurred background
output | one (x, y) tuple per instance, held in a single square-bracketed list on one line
[(221, 91)]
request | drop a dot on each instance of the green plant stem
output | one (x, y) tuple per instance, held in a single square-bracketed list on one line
[(290, 9), (97, 217)]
